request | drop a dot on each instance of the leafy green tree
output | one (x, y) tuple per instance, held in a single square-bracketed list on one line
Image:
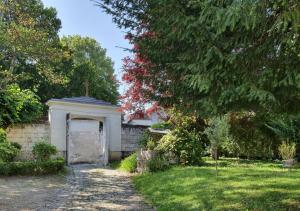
[(92, 73), (29, 39), (18, 106), (218, 134), (216, 56)]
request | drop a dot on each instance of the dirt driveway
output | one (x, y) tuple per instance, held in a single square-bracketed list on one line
[(87, 187)]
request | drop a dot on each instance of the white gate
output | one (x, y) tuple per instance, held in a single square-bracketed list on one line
[(85, 141)]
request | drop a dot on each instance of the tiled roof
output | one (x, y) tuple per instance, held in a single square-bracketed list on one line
[(83, 100)]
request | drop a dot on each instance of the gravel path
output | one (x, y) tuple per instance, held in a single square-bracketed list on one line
[(103, 189), (33, 193), (87, 187)]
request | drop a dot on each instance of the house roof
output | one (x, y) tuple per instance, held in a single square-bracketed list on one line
[(84, 100)]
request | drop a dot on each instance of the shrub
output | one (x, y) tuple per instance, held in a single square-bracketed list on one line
[(149, 140), (287, 150), (129, 164), (158, 163), (42, 151), (16, 145), (8, 152), (186, 146), (2, 135), (144, 139), (162, 126), (151, 144), (251, 138), (32, 167)]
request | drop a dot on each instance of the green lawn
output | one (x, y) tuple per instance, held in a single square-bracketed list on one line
[(240, 185)]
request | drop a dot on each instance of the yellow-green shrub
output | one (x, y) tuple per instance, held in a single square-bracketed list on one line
[(287, 150)]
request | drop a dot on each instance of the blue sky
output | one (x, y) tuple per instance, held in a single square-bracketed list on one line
[(82, 17)]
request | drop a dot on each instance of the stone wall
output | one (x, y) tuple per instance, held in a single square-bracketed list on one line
[(27, 135), (130, 137)]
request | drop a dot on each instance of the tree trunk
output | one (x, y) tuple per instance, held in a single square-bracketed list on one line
[(215, 154), (86, 86)]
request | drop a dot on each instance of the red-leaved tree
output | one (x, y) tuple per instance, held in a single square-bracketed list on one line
[(138, 98)]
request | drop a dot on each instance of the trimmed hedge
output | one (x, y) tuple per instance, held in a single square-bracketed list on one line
[(32, 167)]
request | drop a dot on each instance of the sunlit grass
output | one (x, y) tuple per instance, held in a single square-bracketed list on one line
[(240, 185)]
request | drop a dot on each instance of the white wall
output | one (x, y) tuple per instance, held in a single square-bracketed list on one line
[(57, 119), (115, 134)]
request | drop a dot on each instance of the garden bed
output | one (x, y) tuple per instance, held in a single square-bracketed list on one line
[(240, 185)]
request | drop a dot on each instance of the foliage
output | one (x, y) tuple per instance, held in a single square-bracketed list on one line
[(42, 151), (129, 164), (190, 121), (92, 73), (158, 163), (29, 39), (134, 70), (149, 140), (2, 135), (151, 144), (161, 126), (218, 134), (287, 150), (250, 137), (285, 127), (143, 139), (186, 146), (8, 152), (33, 56), (32, 167), (16, 145), (241, 185), (213, 56), (18, 106)]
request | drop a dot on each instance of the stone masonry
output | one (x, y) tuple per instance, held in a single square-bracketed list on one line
[(27, 135), (130, 137)]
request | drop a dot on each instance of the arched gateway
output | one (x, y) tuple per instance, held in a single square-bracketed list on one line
[(86, 130)]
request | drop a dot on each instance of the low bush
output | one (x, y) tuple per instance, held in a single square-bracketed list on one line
[(151, 144), (2, 135), (287, 150), (149, 140), (185, 145), (32, 167), (129, 164), (158, 163), (16, 145), (8, 152), (143, 139), (42, 151)]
